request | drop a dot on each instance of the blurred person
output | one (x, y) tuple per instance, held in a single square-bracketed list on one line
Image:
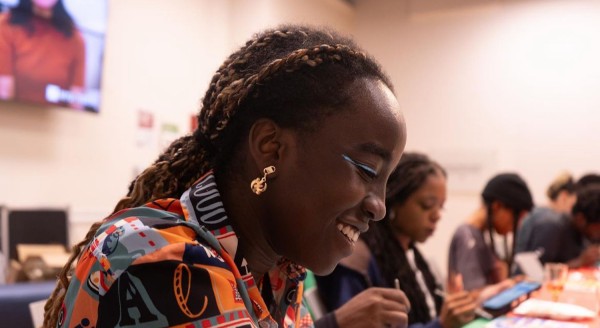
[(42, 54), (588, 179), (275, 179), (566, 237), (505, 200), (415, 198), (533, 232)]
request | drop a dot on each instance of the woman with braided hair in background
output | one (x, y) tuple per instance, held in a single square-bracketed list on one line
[(416, 194), (505, 201), (200, 240)]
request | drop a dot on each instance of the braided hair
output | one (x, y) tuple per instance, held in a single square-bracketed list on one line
[(294, 75), (410, 175), (511, 191)]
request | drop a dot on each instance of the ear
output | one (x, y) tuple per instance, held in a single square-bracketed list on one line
[(264, 143)]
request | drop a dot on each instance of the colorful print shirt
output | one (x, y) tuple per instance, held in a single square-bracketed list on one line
[(175, 263)]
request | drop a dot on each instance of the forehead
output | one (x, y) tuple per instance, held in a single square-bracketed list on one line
[(433, 182), (373, 115)]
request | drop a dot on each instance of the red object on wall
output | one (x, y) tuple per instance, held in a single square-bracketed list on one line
[(193, 122)]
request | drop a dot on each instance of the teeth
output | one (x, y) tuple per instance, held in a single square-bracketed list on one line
[(349, 231)]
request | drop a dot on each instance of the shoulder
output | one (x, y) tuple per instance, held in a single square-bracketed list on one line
[(543, 215), (360, 258), (144, 237), (462, 230), (133, 234), (544, 218), (464, 233)]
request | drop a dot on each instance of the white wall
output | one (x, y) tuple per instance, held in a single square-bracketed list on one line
[(486, 86), (160, 57), (249, 16), (492, 86)]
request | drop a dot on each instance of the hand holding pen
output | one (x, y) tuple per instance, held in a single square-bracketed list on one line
[(375, 307)]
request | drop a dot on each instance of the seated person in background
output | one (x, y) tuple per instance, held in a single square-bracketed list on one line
[(532, 234), (567, 238), (506, 199), (415, 197), (587, 179), (201, 241)]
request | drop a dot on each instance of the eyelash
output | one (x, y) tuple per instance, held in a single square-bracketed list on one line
[(428, 207), (371, 173)]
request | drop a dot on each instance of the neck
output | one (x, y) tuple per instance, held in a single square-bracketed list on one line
[(42, 12), (558, 207), (478, 219), (404, 240), (240, 205), (260, 260)]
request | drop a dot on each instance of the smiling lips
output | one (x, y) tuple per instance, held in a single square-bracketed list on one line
[(349, 231)]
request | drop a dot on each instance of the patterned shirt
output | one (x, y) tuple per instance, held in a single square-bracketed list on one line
[(175, 263)]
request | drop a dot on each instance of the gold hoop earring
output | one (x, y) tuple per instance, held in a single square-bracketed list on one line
[(259, 185)]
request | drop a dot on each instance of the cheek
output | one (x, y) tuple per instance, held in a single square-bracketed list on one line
[(593, 234), (410, 222), (504, 224)]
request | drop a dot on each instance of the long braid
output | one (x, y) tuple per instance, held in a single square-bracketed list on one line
[(410, 174), (237, 84), (383, 243), (54, 302), (229, 98)]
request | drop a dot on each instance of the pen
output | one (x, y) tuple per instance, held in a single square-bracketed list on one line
[(478, 311)]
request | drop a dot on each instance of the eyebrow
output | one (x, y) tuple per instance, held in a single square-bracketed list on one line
[(372, 148)]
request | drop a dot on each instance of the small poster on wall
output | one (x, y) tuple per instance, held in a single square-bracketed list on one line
[(145, 128), (193, 122)]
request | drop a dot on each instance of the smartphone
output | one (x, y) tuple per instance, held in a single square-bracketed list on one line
[(509, 298)]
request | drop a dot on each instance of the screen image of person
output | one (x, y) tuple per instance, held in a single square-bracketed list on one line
[(42, 54)]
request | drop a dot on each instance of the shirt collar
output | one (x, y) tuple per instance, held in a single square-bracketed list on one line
[(203, 205)]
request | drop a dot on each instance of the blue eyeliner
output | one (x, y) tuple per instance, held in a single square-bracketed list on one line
[(360, 165)]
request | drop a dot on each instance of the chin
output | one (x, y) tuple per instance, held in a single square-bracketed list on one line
[(323, 270)]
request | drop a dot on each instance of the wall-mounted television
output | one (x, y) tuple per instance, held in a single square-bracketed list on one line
[(51, 52)]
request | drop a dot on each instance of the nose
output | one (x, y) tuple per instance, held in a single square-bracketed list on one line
[(436, 215), (374, 207)]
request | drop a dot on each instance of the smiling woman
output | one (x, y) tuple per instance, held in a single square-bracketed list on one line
[(386, 255), (194, 242)]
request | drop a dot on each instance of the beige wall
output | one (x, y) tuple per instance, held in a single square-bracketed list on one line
[(249, 16), (160, 56), (486, 86), (490, 86)]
